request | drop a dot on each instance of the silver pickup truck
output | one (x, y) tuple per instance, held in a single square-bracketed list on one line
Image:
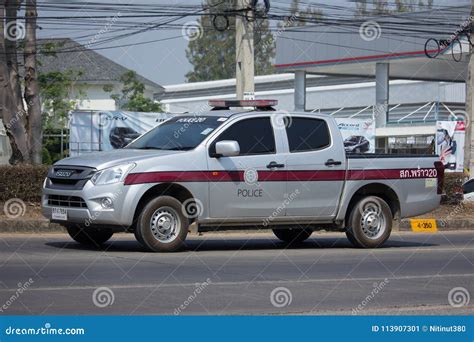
[(235, 168)]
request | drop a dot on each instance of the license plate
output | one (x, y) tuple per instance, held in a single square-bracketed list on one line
[(60, 214)]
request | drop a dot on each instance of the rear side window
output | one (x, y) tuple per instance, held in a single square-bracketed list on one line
[(306, 134), (255, 136)]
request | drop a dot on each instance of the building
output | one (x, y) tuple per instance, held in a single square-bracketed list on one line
[(413, 108), (414, 80), (97, 72)]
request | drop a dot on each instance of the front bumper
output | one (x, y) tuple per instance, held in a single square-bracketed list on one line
[(124, 201)]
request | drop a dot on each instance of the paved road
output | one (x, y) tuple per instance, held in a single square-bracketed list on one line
[(236, 274)]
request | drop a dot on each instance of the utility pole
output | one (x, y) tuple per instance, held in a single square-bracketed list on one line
[(244, 52), (469, 142)]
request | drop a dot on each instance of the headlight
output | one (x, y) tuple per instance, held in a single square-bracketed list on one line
[(112, 175)]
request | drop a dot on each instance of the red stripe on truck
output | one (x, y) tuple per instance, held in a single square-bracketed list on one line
[(278, 176)]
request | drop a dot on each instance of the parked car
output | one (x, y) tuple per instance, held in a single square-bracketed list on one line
[(122, 136), (356, 144), (468, 190), (230, 168)]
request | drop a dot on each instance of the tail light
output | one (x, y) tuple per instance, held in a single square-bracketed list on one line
[(439, 176)]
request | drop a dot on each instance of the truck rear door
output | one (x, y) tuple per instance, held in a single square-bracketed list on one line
[(316, 164)]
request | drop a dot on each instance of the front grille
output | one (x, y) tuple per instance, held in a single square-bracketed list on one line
[(66, 201), (64, 181), (68, 177)]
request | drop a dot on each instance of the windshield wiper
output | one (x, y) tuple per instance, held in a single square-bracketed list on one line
[(184, 148), (181, 148), (150, 148)]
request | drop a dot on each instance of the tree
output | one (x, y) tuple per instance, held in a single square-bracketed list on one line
[(132, 96), (23, 127), (212, 52), (32, 99), (11, 107), (56, 89)]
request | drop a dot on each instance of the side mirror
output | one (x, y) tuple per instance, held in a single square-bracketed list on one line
[(227, 148)]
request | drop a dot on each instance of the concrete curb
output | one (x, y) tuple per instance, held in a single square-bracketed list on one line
[(29, 226), (44, 226)]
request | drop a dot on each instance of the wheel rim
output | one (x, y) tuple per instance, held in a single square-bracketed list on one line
[(165, 224), (373, 222)]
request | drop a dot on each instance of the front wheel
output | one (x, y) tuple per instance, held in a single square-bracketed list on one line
[(162, 225), (369, 223), (292, 235), (89, 236)]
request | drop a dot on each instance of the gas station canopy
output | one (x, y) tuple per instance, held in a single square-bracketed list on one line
[(402, 41)]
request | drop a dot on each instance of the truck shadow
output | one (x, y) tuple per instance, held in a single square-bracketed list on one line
[(202, 244)]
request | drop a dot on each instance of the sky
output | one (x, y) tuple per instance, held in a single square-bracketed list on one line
[(163, 62)]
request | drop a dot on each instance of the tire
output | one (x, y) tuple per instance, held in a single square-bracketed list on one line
[(89, 236), (369, 223), (162, 225), (292, 235)]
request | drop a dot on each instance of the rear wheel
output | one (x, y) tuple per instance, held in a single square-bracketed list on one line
[(292, 235), (89, 236), (370, 223), (162, 225)]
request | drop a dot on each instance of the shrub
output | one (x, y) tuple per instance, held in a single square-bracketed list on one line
[(22, 181), (453, 193)]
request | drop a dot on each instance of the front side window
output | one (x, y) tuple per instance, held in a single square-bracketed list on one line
[(255, 136), (307, 134)]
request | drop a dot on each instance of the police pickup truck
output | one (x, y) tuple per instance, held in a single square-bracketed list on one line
[(239, 167)]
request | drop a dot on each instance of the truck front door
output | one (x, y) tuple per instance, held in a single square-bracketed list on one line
[(251, 184)]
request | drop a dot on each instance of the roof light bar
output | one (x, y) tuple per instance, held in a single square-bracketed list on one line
[(242, 103)]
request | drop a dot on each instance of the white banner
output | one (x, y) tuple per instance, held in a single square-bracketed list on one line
[(104, 131), (358, 135), (450, 137)]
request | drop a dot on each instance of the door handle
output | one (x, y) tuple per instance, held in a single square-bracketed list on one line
[(274, 164), (332, 162)]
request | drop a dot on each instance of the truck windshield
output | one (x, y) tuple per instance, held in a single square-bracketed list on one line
[(179, 133)]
